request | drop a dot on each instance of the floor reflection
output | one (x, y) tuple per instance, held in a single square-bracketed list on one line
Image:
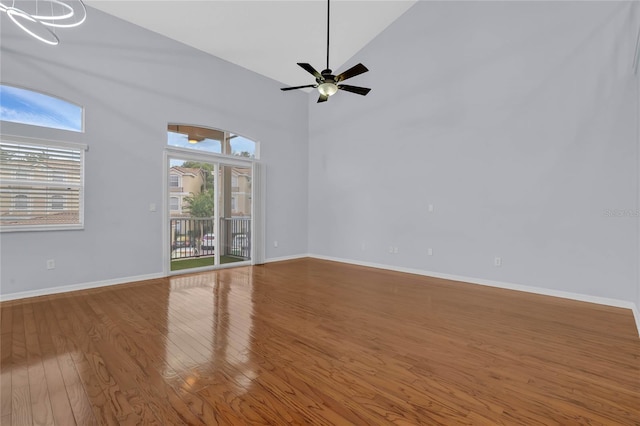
[(209, 329)]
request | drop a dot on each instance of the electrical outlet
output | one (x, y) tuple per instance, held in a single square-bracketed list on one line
[(390, 249), (51, 264), (430, 208), (275, 243), (395, 250), (152, 207), (429, 252), (497, 261)]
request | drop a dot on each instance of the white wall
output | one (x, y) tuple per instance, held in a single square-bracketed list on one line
[(516, 120), (636, 24), (132, 83)]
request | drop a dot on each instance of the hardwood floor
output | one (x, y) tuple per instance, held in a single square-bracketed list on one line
[(315, 342)]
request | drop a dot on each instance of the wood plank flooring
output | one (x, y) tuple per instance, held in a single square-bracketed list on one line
[(315, 342)]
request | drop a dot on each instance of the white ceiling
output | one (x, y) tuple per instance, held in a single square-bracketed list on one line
[(265, 36)]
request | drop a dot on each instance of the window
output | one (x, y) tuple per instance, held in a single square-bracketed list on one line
[(210, 140), (175, 203), (242, 147), (20, 202), (57, 202), (174, 181), (41, 185), (37, 109)]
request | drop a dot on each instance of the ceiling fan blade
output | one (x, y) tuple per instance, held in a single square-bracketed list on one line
[(354, 89), (299, 87), (322, 98), (351, 72), (311, 70)]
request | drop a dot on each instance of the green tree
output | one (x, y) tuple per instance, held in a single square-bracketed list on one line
[(201, 205)]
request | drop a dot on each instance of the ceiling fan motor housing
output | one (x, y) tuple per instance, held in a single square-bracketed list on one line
[(327, 77)]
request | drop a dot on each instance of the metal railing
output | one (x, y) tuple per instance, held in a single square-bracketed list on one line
[(194, 237), (237, 237), (187, 235)]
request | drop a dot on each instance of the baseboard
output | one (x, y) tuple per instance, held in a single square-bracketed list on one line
[(499, 284), (636, 315), (283, 258), (76, 287), (97, 284), (509, 286)]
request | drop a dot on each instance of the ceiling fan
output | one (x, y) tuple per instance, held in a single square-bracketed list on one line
[(327, 83)]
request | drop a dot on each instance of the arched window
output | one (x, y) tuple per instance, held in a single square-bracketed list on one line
[(37, 109), (38, 168)]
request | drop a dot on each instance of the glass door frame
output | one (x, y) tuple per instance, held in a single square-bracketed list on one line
[(216, 160)]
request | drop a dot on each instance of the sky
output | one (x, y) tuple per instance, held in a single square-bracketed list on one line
[(27, 107)]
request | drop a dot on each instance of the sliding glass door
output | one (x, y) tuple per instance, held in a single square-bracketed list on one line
[(234, 209), (210, 213), (209, 198), (192, 218)]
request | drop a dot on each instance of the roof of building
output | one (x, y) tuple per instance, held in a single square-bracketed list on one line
[(186, 170)]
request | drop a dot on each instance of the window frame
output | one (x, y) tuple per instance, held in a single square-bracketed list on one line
[(177, 180), (23, 204), (48, 183), (177, 204), (56, 203)]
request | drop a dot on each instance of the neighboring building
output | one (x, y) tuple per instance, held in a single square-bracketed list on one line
[(183, 182), (240, 193), (38, 187)]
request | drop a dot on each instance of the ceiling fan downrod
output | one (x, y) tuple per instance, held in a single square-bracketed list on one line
[(328, 19)]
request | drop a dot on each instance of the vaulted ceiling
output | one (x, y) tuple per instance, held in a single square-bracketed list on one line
[(264, 36)]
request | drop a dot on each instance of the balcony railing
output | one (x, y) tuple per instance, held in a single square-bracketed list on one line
[(192, 238), (237, 237)]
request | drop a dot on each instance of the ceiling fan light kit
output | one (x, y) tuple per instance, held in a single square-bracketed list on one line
[(327, 83), (327, 89), (191, 138), (194, 139)]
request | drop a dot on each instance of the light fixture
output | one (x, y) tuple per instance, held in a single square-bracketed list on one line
[(327, 83), (327, 88), (192, 139), (37, 23)]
